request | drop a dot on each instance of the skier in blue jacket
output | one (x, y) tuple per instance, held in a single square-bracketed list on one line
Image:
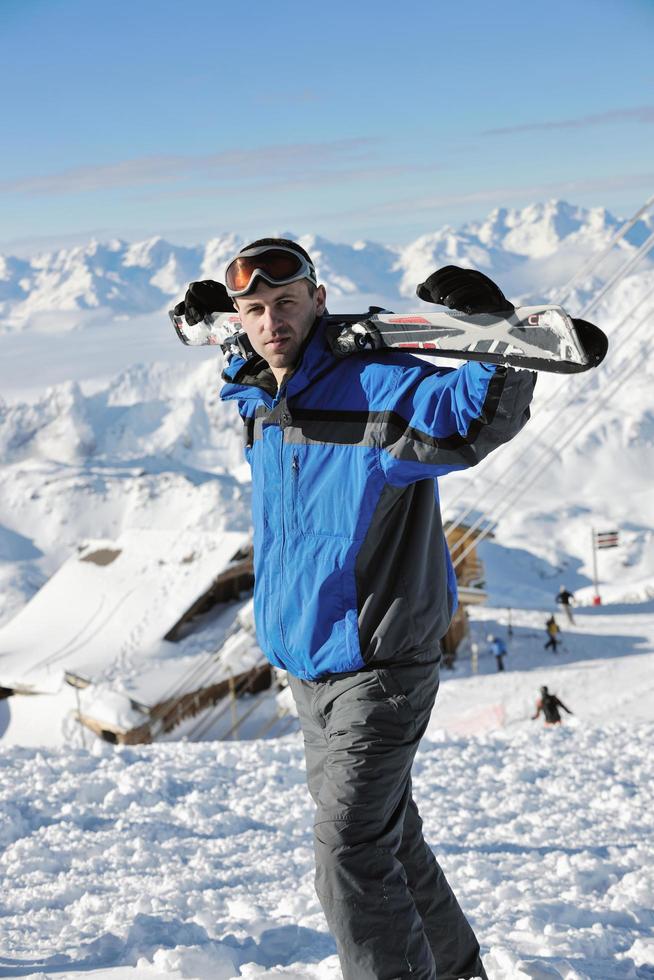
[(354, 587)]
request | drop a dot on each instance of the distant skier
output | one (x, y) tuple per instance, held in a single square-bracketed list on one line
[(498, 649), (553, 631), (566, 599), (549, 704)]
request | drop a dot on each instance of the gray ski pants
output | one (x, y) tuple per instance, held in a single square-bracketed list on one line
[(386, 900)]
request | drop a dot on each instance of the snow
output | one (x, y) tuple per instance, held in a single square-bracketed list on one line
[(135, 590), (197, 858), (192, 857), (538, 244)]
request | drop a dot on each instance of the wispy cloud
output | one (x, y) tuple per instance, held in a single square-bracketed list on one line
[(505, 196), (641, 114), (293, 180), (502, 195), (230, 165)]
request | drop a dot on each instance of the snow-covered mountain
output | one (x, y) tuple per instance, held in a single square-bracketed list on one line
[(131, 434), (531, 251), (197, 850)]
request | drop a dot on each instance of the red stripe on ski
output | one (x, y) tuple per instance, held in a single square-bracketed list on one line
[(404, 319), (418, 345)]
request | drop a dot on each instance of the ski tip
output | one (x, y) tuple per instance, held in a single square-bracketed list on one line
[(593, 340), (178, 324)]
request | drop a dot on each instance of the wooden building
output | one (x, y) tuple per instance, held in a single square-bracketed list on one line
[(470, 580)]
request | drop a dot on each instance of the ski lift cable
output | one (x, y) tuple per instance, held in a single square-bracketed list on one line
[(624, 270), (163, 715), (247, 714), (291, 721), (195, 675), (486, 530), (588, 410), (573, 395), (594, 261), (178, 685), (199, 677), (198, 671), (536, 468), (222, 707), (210, 665), (536, 464), (273, 722), (589, 382), (216, 712), (224, 704)]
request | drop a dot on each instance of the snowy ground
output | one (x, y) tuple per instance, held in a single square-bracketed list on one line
[(195, 859)]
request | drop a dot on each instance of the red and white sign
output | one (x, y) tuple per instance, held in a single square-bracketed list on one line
[(607, 539)]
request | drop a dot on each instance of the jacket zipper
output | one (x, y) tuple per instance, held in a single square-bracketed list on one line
[(295, 473), (283, 540)]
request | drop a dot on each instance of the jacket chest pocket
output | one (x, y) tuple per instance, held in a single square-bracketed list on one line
[(324, 491)]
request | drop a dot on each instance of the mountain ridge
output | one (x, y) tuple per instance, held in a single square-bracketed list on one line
[(527, 248)]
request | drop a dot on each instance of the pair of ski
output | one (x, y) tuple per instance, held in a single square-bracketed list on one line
[(541, 338)]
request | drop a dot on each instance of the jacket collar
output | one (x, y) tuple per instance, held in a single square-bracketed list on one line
[(253, 377)]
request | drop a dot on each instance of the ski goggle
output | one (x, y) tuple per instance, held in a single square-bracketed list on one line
[(278, 265)]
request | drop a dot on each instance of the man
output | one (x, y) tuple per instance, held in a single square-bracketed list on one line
[(566, 599), (354, 588), (552, 629), (549, 704), (498, 649)]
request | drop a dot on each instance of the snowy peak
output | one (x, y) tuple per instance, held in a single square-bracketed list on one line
[(363, 268), (524, 248), (117, 276), (538, 230), (535, 230)]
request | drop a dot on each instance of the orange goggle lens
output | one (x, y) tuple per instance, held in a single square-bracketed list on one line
[(277, 266)]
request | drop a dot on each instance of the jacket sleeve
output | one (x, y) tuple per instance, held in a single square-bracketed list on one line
[(443, 419)]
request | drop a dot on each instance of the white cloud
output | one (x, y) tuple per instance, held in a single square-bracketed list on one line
[(258, 162), (641, 114)]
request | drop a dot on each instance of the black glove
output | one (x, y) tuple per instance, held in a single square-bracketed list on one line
[(202, 298), (464, 289)]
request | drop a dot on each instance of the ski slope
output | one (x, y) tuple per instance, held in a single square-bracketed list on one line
[(194, 858)]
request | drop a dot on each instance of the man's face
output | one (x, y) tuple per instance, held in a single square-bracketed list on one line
[(277, 319)]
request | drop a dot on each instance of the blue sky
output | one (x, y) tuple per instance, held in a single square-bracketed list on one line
[(380, 120)]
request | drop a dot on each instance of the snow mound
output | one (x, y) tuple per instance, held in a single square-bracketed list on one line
[(197, 860)]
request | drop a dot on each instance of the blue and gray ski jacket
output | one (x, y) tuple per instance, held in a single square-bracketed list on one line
[(351, 564)]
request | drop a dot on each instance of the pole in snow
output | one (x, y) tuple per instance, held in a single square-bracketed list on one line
[(74, 680), (597, 600)]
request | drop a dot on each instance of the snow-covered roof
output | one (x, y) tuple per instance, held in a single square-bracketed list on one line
[(108, 602)]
